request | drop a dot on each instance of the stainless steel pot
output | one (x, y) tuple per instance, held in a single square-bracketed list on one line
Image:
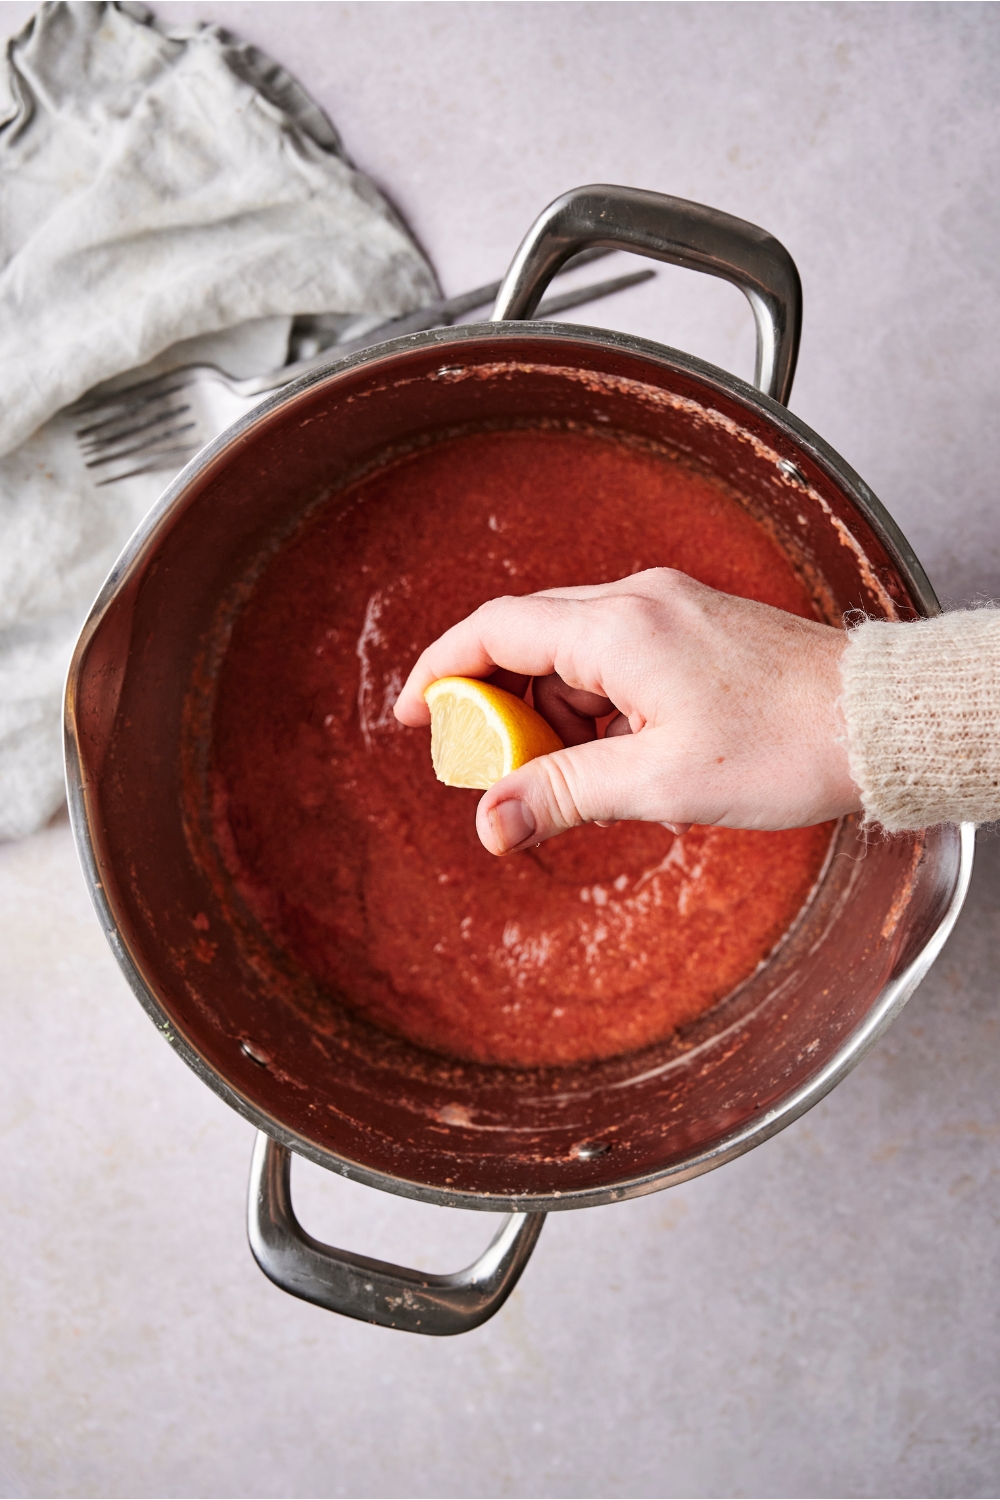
[(375, 1108)]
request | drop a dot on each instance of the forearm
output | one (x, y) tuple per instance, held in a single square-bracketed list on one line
[(922, 707)]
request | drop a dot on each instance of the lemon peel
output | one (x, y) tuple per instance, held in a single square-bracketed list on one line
[(480, 733)]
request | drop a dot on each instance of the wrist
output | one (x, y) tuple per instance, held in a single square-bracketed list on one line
[(836, 790)]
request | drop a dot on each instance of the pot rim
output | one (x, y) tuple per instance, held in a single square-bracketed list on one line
[(214, 456)]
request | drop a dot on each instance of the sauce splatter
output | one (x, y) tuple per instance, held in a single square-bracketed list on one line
[(367, 872)]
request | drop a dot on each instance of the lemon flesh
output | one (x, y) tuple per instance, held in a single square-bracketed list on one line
[(479, 733)]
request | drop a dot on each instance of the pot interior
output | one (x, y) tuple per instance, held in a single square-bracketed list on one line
[(353, 1096)]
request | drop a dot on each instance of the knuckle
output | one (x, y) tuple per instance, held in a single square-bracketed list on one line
[(494, 608), (564, 789), (661, 583), (657, 602), (631, 620), (634, 609), (661, 578)]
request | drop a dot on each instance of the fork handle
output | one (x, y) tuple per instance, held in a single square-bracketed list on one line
[(435, 315), (674, 230)]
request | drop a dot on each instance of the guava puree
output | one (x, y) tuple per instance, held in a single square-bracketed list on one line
[(368, 873)]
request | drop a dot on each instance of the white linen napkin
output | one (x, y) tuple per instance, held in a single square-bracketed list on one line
[(167, 196)]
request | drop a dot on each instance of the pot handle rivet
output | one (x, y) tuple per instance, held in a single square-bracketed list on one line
[(589, 1150), (791, 470)]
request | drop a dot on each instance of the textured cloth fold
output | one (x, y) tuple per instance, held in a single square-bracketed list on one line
[(158, 185), (922, 706), (167, 196)]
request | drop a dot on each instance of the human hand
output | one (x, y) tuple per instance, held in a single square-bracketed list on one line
[(727, 710)]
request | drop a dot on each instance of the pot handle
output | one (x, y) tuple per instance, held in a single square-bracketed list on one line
[(373, 1290), (675, 230)]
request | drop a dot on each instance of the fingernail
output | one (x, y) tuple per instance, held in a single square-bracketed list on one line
[(511, 823)]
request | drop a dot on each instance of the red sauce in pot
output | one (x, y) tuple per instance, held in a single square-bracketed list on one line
[(368, 873)]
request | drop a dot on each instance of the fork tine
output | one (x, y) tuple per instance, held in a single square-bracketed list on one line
[(149, 468), (153, 385), (97, 444), (150, 442), (125, 407)]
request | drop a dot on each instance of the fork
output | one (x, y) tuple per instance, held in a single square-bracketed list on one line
[(161, 422)]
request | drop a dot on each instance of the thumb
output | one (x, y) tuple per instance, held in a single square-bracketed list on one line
[(597, 782)]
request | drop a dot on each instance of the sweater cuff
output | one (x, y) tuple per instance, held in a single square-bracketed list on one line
[(922, 706)]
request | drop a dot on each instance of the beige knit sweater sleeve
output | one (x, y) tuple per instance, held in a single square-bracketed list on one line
[(922, 705)]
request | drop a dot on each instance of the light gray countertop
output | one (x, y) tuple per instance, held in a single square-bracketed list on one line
[(818, 1318)]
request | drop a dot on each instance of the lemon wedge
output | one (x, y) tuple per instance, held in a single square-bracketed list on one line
[(480, 733)]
